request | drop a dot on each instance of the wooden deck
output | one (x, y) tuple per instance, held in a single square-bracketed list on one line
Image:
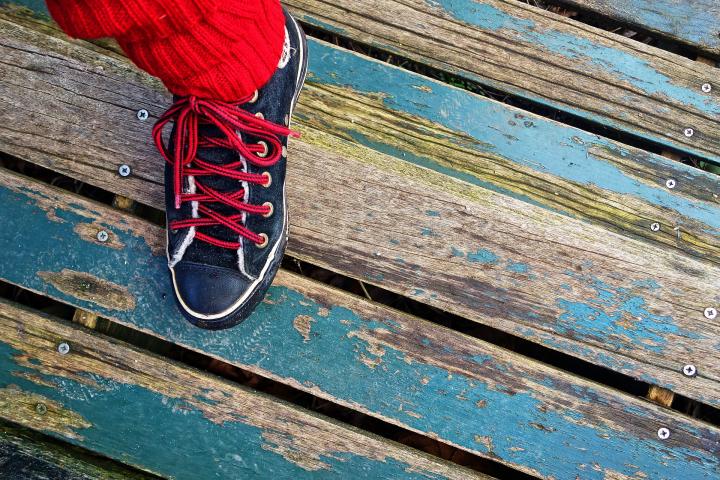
[(551, 250)]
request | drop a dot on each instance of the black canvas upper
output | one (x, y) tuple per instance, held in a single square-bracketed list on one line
[(209, 279)]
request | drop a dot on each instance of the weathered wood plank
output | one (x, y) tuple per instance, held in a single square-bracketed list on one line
[(541, 56), (693, 22), (578, 174), (426, 378), (571, 286), (26, 456), (109, 397)]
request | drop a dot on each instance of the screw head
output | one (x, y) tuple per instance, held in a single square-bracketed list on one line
[(670, 183), (142, 114), (102, 236), (655, 227), (710, 313), (706, 87), (689, 370), (63, 348), (689, 132), (663, 433), (41, 408), (124, 170)]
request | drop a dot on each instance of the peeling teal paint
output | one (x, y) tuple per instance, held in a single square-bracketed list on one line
[(432, 213), (693, 21), (267, 342), (619, 63), (175, 438), (571, 156), (517, 267), (482, 256), (617, 317)]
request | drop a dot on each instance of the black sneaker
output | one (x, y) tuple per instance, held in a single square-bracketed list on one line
[(225, 192)]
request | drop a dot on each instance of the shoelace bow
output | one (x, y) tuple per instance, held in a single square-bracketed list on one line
[(188, 113)]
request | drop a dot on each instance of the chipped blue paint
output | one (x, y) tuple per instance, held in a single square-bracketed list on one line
[(648, 283), (432, 213), (693, 21), (482, 255), (617, 317), (428, 232), (268, 342), (395, 242), (163, 429), (570, 154), (620, 63), (517, 267)]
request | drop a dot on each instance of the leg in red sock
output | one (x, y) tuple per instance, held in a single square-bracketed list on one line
[(219, 49), (236, 68)]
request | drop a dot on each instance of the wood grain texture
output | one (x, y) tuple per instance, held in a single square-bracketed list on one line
[(693, 22), (541, 56), (419, 121), (406, 371), (612, 300), (176, 421), (27, 456)]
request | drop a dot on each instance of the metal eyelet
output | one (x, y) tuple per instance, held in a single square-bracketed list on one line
[(260, 115), (264, 242), (255, 97), (284, 151), (271, 211), (264, 153), (269, 179)]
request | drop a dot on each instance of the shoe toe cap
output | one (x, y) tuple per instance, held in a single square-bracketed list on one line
[(208, 292)]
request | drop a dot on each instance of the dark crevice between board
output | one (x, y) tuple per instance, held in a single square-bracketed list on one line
[(636, 32), (41, 468), (271, 387), (554, 358), (506, 98)]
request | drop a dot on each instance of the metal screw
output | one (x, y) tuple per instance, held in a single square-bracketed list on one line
[(663, 433), (689, 132), (689, 370), (63, 348), (41, 408), (655, 227), (670, 183), (124, 170), (102, 236), (707, 88), (710, 313), (142, 114)]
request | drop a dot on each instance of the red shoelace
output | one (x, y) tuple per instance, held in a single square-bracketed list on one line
[(188, 113)]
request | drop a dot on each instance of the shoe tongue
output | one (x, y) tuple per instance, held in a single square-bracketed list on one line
[(202, 251)]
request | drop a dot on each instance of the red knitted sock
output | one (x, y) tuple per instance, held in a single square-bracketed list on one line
[(219, 49)]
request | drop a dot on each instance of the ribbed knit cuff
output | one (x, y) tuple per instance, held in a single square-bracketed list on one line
[(219, 49)]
